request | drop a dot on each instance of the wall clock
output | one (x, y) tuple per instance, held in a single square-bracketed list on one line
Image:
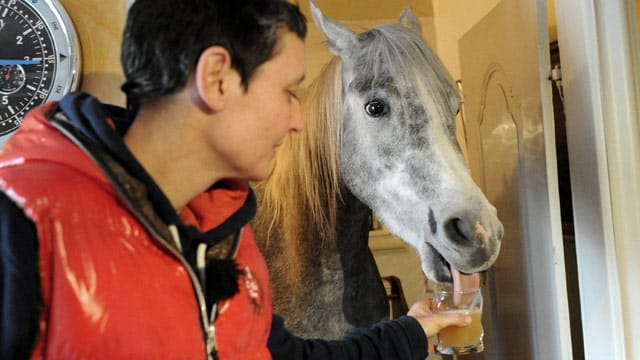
[(39, 58)]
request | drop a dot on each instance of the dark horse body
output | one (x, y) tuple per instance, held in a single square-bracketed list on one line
[(338, 287), (380, 135)]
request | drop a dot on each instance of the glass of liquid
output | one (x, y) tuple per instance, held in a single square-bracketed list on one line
[(460, 340)]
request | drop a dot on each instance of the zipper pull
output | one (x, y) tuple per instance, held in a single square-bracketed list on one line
[(175, 234), (201, 264)]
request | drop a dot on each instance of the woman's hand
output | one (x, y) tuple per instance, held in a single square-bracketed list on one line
[(433, 322)]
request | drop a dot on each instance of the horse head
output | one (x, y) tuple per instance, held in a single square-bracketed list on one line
[(399, 153)]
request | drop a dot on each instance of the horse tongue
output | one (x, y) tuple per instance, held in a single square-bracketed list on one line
[(464, 282)]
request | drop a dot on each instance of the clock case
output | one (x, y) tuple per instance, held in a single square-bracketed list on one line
[(67, 48)]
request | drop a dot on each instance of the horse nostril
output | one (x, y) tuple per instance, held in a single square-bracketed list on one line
[(459, 231), (433, 224)]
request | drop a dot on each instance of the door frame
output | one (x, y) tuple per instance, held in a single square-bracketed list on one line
[(601, 83)]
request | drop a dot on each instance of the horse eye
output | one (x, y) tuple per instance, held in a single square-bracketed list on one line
[(375, 108)]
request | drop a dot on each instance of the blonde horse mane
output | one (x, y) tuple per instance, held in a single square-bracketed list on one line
[(301, 195)]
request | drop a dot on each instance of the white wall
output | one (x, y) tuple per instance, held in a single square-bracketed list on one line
[(453, 18)]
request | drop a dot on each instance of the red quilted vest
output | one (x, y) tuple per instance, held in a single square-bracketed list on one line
[(111, 289)]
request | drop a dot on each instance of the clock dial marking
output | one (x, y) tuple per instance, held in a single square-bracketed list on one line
[(39, 53)]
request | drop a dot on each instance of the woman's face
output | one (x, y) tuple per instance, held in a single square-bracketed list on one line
[(257, 120)]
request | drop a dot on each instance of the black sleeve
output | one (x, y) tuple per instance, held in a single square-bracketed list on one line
[(21, 299), (401, 339)]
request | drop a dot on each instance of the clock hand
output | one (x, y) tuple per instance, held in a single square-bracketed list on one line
[(19, 62)]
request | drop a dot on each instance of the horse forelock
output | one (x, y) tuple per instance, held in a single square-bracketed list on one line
[(301, 195), (398, 58)]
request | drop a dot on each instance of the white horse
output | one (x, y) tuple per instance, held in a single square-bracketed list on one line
[(380, 135)]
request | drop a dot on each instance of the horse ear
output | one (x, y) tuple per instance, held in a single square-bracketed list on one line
[(340, 38), (411, 21)]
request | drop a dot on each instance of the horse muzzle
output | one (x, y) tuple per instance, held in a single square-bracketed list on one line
[(466, 245)]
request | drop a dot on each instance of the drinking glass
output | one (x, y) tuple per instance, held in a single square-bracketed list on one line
[(460, 340)]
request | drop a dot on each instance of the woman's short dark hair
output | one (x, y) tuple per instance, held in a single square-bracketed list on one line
[(163, 39)]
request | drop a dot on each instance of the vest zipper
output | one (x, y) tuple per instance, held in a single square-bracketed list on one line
[(198, 283), (201, 263), (201, 252), (212, 344)]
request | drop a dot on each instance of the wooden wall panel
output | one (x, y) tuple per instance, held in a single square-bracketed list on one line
[(99, 25)]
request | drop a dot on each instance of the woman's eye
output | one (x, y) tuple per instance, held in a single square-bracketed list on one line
[(375, 108)]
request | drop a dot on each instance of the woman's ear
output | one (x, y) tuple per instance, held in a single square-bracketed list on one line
[(208, 89)]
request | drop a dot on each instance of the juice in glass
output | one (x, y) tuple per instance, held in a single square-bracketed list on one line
[(462, 339)]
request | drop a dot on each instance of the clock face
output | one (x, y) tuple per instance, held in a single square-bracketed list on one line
[(39, 57)]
